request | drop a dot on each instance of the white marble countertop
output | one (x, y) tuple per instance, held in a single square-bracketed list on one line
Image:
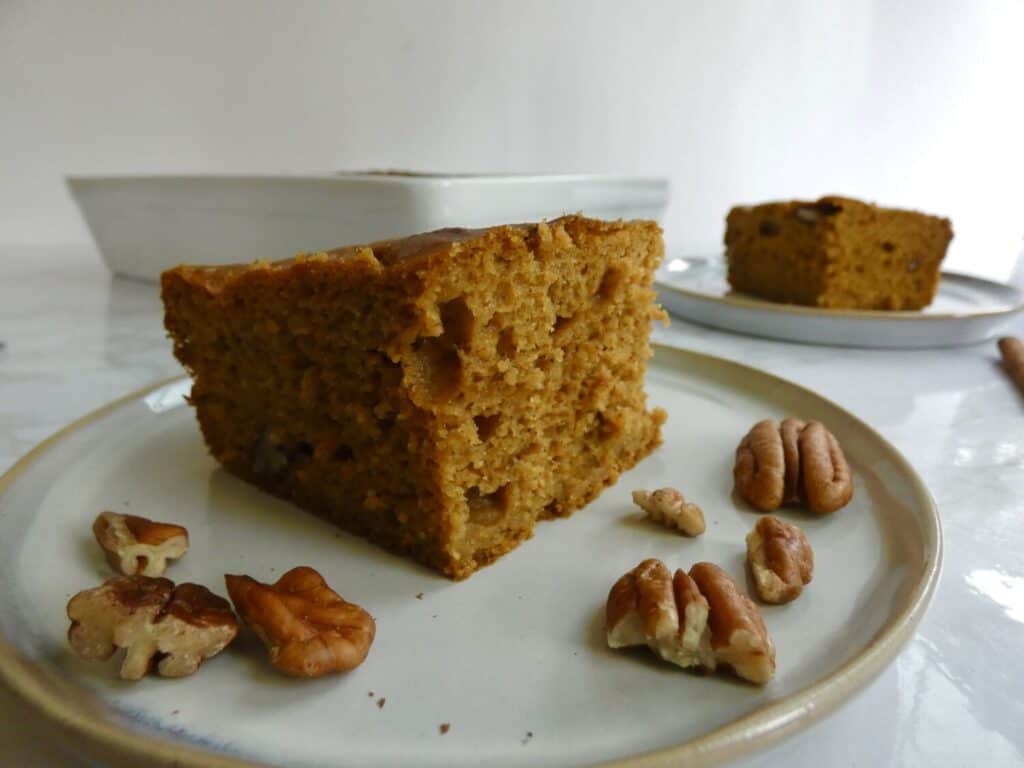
[(74, 338)]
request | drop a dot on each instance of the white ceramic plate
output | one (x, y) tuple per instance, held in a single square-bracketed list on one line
[(514, 659), (966, 310)]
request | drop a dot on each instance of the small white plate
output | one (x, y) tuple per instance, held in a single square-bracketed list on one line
[(966, 310), (514, 659)]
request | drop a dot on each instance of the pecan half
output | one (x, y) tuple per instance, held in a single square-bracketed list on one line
[(157, 624), (668, 507), (780, 558), (795, 462), (135, 545), (760, 467), (649, 606), (309, 629), (827, 484), (739, 638)]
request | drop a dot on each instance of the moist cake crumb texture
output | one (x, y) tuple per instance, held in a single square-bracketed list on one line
[(436, 394), (836, 253)]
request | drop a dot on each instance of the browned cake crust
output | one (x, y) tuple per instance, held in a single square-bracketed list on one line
[(436, 394), (836, 253)]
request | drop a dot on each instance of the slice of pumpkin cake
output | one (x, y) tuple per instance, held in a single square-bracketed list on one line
[(836, 253), (436, 394)]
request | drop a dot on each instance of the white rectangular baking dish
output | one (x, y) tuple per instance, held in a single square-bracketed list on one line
[(143, 225)]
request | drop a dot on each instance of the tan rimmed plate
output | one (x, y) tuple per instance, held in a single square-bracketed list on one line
[(514, 659), (966, 310)]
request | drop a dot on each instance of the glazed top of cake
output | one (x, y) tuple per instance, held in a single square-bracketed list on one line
[(397, 251), (825, 206)]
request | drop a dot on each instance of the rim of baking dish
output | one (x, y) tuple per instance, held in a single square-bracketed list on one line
[(86, 720)]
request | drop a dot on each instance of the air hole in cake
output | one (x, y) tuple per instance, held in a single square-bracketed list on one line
[(507, 342), (268, 455), (302, 453), (486, 426), (272, 455), (888, 247), (343, 453), (505, 293), (611, 282), (487, 508), (458, 321), (606, 427), (561, 323), (768, 228), (385, 423), (438, 366), (386, 372)]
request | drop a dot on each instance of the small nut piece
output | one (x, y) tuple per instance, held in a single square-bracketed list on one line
[(135, 545), (668, 507), (175, 628), (649, 606), (739, 638), (795, 462), (780, 558), (309, 629)]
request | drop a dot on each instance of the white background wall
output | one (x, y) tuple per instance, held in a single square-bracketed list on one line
[(916, 103)]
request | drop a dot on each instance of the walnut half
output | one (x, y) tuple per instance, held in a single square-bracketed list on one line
[(135, 545), (795, 462), (668, 507), (157, 624), (310, 630), (780, 558)]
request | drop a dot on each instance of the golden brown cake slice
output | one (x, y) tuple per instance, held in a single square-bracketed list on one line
[(836, 253), (436, 394)]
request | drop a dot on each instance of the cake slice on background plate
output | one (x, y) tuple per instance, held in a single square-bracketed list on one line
[(836, 253)]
